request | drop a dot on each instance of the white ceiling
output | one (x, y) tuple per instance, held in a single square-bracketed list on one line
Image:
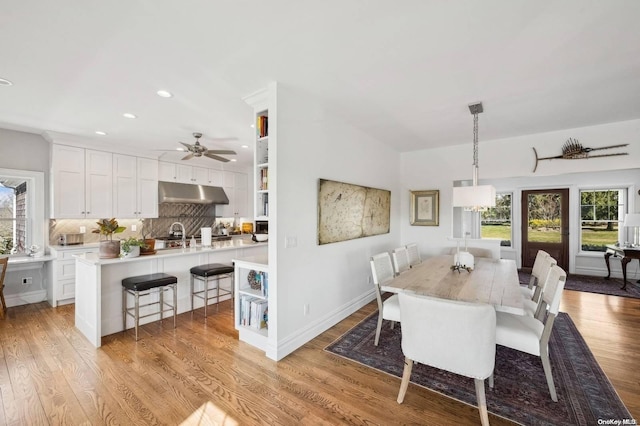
[(403, 71)]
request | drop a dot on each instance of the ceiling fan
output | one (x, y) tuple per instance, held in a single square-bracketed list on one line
[(197, 150)]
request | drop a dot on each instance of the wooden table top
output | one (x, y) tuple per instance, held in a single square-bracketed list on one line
[(493, 281)]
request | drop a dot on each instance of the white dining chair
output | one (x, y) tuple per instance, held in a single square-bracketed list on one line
[(389, 309), (414, 254), (529, 290), (454, 336), (534, 307), (531, 335), (400, 260)]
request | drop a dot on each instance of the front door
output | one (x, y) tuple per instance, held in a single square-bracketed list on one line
[(545, 225)]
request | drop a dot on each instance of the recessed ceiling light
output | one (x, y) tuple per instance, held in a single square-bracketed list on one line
[(129, 115), (101, 133), (164, 94), (253, 126), (233, 159), (245, 146), (4, 82)]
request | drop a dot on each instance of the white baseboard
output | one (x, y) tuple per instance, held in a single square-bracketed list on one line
[(35, 296), (615, 272), (314, 329)]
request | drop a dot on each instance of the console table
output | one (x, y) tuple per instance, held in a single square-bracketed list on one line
[(627, 254)]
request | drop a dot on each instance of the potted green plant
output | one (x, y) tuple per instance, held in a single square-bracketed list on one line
[(109, 249), (131, 247), (149, 244)]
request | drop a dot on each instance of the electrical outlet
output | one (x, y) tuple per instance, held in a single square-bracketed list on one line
[(134, 227), (27, 280), (83, 229), (306, 309)]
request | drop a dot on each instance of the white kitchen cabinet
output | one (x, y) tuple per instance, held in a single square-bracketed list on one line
[(135, 187), (81, 182), (199, 175), (183, 173), (61, 285), (215, 177), (235, 186), (167, 172)]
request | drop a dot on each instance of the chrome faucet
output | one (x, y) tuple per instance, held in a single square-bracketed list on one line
[(184, 237)]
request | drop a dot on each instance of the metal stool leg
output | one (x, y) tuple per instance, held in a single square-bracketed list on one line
[(124, 310), (217, 293), (137, 310), (206, 295), (192, 288), (175, 305), (161, 289)]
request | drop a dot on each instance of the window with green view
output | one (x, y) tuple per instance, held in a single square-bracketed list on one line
[(496, 221), (601, 211)]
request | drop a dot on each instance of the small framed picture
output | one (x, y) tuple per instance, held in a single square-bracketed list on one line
[(425, 208)]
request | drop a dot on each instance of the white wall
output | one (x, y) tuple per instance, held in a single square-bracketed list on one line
[(501, 161), (333, 279)]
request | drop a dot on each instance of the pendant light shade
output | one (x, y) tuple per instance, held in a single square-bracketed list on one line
[(475, 197)]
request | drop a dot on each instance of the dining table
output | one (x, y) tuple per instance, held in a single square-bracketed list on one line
[(491, 281)]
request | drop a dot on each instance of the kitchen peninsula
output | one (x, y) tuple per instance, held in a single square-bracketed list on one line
[(98, 309)]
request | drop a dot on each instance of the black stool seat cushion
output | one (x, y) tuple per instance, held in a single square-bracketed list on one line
[(145, 282), (211, 269)]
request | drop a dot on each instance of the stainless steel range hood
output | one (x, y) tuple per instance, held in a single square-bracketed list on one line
[(170, 192)]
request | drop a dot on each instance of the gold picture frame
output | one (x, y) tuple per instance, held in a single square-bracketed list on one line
[(425, 208)]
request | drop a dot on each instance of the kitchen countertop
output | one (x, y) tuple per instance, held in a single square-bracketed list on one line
[(20, 260), (94, 259)]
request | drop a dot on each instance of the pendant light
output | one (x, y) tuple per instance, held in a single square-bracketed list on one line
[(475, 197)]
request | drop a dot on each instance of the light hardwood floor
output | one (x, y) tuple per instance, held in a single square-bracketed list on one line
[(49, 374)]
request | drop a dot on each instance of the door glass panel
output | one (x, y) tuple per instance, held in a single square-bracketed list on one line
[(545, 223)]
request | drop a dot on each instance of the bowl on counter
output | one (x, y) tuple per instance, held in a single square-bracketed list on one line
[(260, 238)]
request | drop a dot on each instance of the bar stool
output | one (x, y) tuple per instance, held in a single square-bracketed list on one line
[(145, 285), (207, 274)]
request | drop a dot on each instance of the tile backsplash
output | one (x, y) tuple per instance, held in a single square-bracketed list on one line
[(192, 216)]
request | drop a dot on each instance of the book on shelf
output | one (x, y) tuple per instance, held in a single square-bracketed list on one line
[(265, 204), (263, 126), (258, 309), (264, 279), (264, 179)]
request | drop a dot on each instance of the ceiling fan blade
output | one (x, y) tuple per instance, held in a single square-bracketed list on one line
[(189, 147), (187, 157), (222, 151), (216, 157)]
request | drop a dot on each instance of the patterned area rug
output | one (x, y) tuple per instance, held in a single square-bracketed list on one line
[(595, 285), (520, 392)]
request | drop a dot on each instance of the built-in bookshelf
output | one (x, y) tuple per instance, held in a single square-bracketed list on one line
[(262, 165), (251, 282)]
